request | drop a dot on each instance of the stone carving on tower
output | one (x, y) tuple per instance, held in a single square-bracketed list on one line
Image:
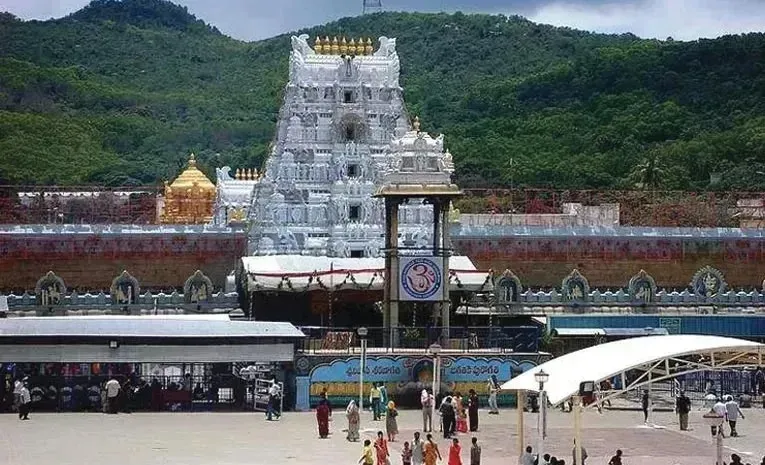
[(342, 108)]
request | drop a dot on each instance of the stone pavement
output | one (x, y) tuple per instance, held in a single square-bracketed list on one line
[(246, 438)]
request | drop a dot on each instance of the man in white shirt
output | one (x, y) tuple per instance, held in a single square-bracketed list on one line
[(733, 411), (426, 401), (528, 458), (112, 394), (720, 409), (25, 402), (274, 394), (17, 394)]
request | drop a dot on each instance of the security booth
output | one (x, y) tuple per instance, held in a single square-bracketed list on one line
[(163, 362)]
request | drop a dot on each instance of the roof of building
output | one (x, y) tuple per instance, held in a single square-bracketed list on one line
[(603, 361), (306, 273), (180, 326), (192, 177)]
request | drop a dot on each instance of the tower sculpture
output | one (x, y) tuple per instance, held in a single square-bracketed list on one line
[(342, 108)]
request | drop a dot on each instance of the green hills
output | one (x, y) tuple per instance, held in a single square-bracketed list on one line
[(120, 92)]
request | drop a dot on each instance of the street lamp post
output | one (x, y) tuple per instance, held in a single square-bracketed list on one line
[(435, 349), (715, 421), (541, 377), (362, 331)]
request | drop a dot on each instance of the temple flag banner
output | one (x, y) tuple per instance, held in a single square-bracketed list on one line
[(421, 279)]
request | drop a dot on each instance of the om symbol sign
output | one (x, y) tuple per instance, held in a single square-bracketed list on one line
[(421, 278)]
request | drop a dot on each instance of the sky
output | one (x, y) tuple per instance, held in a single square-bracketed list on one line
[(260, 19)]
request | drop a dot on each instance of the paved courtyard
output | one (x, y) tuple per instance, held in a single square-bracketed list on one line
[(246, 438)]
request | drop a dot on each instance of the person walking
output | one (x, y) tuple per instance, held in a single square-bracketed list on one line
[(274, 396), (406, 454), (430, 451), (352, 413), (374, 399), (17, 385), (733, 412), (493, 390), (473, 410), (112, 394), (475, 452), (720, 409), (381, 450), (426, 401), (418, 452), (683, 409), (25, 402), (447, 416), (616, 459), (367, 454), (645, 403), (391, 424), (528, 457), (322, 418), (584, 454), (455, 453)]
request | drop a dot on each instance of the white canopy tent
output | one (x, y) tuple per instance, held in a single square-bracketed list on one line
[(308, 273), (657, 357)]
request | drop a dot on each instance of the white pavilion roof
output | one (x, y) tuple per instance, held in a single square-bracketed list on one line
[(307, 273), (603, 361)]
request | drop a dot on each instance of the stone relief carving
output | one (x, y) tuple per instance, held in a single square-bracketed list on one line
[(124, 289), (197, 288), (508, 288), (575, 287), (642, 287), (708, 282), (50, 289)]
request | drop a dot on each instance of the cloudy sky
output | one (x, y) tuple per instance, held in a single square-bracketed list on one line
[(258, 19)]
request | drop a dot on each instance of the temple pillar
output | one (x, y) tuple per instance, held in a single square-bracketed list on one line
[(391, 297)]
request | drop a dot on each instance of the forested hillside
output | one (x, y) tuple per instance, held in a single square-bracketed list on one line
[(121, 91)]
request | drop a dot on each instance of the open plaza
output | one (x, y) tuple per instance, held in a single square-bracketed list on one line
[(247, 439)]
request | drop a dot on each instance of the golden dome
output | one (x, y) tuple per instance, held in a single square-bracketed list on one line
[(190, 176)]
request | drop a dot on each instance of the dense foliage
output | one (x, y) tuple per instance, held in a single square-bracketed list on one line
[(121, 91)]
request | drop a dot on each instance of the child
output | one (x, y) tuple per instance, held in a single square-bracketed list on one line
[(406, 454), (455, 452), (475, 453), (367, 456)]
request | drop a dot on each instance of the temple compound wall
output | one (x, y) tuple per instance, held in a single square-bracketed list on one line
[(609, 256), (89, 257)]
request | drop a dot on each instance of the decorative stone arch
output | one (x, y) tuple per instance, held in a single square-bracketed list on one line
[(197, 289), (575, 287), (508, 288), (125, 289), (50, 290), (642, 288), (351, 128), (708, 282)]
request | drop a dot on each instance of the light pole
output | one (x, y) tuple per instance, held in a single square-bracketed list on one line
[(715, 421), (362, 331), (541, 377), (435, 349)]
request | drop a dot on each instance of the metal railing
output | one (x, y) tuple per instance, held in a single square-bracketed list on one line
[(524, 339)]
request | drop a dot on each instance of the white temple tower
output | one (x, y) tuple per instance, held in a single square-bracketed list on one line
[(342, 108)]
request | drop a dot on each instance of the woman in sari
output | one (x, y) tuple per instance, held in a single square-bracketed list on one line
[(322, 418), (391, 424), (352, 413), (460, 415), (381, 450), (430, 452)]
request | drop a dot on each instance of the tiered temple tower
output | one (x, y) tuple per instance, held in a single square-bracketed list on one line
[(342, 108)]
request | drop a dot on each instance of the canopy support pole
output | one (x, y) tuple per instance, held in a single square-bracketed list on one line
[(520, 402)]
